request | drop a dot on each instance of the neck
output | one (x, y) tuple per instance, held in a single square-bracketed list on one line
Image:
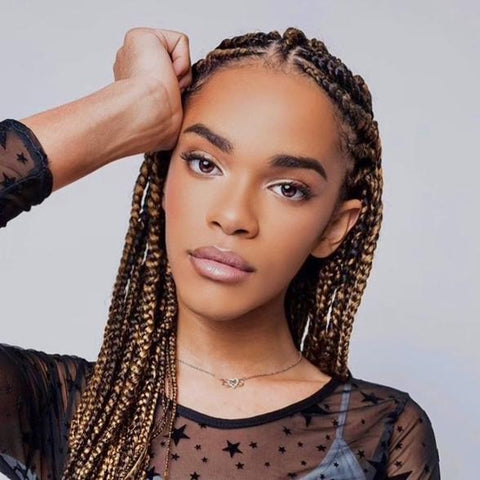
[(256, 342)]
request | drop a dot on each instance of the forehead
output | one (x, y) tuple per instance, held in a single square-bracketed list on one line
[(259, 109)]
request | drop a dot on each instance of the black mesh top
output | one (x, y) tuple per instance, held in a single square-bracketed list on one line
[(344, 431)]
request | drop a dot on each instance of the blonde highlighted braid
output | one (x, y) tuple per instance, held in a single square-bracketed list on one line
[(111, 432)]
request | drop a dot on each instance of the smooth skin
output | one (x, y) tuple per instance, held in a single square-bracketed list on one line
[(235, 201), (240, 329), (141, 111)]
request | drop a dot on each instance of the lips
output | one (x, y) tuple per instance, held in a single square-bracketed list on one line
[(228, 258)]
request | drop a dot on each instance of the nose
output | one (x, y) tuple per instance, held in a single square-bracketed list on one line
[(234, 210)]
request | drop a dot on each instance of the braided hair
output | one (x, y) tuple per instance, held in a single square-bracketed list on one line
[(111, 431)]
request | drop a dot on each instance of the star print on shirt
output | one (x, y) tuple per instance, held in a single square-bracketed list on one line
[(285, 444), (314, 410), (370, 397), (178, 434), (232, 448), (22, 158)]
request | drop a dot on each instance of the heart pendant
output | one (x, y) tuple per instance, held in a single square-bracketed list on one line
[(232, 382)]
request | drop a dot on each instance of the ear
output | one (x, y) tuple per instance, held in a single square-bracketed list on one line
[(338, 227)]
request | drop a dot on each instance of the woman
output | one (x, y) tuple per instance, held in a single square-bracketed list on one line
[(253, 225)]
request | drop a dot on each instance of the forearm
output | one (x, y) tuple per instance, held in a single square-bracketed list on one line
[(86, 134)]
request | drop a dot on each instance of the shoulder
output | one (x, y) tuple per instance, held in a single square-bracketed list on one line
[(392, 401), (31, 368), (30, 355)]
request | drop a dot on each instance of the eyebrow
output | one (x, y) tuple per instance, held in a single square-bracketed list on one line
[(279, 160)]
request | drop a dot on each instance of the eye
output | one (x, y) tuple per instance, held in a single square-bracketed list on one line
[(203, 164), (296, 187), (306, 192)]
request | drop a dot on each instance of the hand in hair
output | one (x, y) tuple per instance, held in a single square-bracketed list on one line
[(140, 112), (161, 59)]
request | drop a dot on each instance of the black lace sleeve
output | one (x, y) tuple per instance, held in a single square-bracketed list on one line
[(413, 447), (25, 176), (39, 393)]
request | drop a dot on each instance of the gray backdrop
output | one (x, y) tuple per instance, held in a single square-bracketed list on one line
[(417, 327)]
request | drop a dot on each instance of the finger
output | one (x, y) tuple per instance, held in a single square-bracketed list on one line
[(177, 45)]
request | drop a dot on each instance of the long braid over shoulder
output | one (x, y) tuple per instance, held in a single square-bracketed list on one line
[(135, 374)]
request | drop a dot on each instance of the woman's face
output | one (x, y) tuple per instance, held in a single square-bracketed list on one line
[(228, 194)]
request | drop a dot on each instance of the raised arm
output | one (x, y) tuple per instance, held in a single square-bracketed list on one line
[(141, 111)]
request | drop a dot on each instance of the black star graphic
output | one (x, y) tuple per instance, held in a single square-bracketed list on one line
[(253, 444), (321, 448), (239, 466), (361, 453), (336, 464), (232, 448), (300, 444), (7, 180), (267, 464), (198, 447), (194, 476), (287, 431), (303, 462), (335, 422), (309, 412), (204, 459), (178, 434), (22, 158), (370, 397), (175, 456), (282, 449)]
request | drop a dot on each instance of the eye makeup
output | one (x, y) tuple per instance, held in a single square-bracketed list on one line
[(306, 191)]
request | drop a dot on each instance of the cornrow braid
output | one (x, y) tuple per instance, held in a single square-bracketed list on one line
[(135, 374)]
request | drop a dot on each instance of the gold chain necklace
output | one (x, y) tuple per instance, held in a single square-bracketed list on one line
[(239, 382), (227, 382)]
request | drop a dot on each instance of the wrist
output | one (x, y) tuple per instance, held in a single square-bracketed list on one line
[(86, 134)]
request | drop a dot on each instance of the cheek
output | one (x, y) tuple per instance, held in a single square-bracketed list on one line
[(290, 241), (184, 211)]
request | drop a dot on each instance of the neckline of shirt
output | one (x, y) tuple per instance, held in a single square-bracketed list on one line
[(262, 418)]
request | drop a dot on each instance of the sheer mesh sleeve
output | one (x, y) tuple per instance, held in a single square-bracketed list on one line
[(413, 449), (25, 177), (39, 393)]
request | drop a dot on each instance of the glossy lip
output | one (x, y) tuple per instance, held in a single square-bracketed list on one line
[(222, 256), (218, 271)]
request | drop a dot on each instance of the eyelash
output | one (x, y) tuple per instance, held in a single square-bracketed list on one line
[(306, 191)]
